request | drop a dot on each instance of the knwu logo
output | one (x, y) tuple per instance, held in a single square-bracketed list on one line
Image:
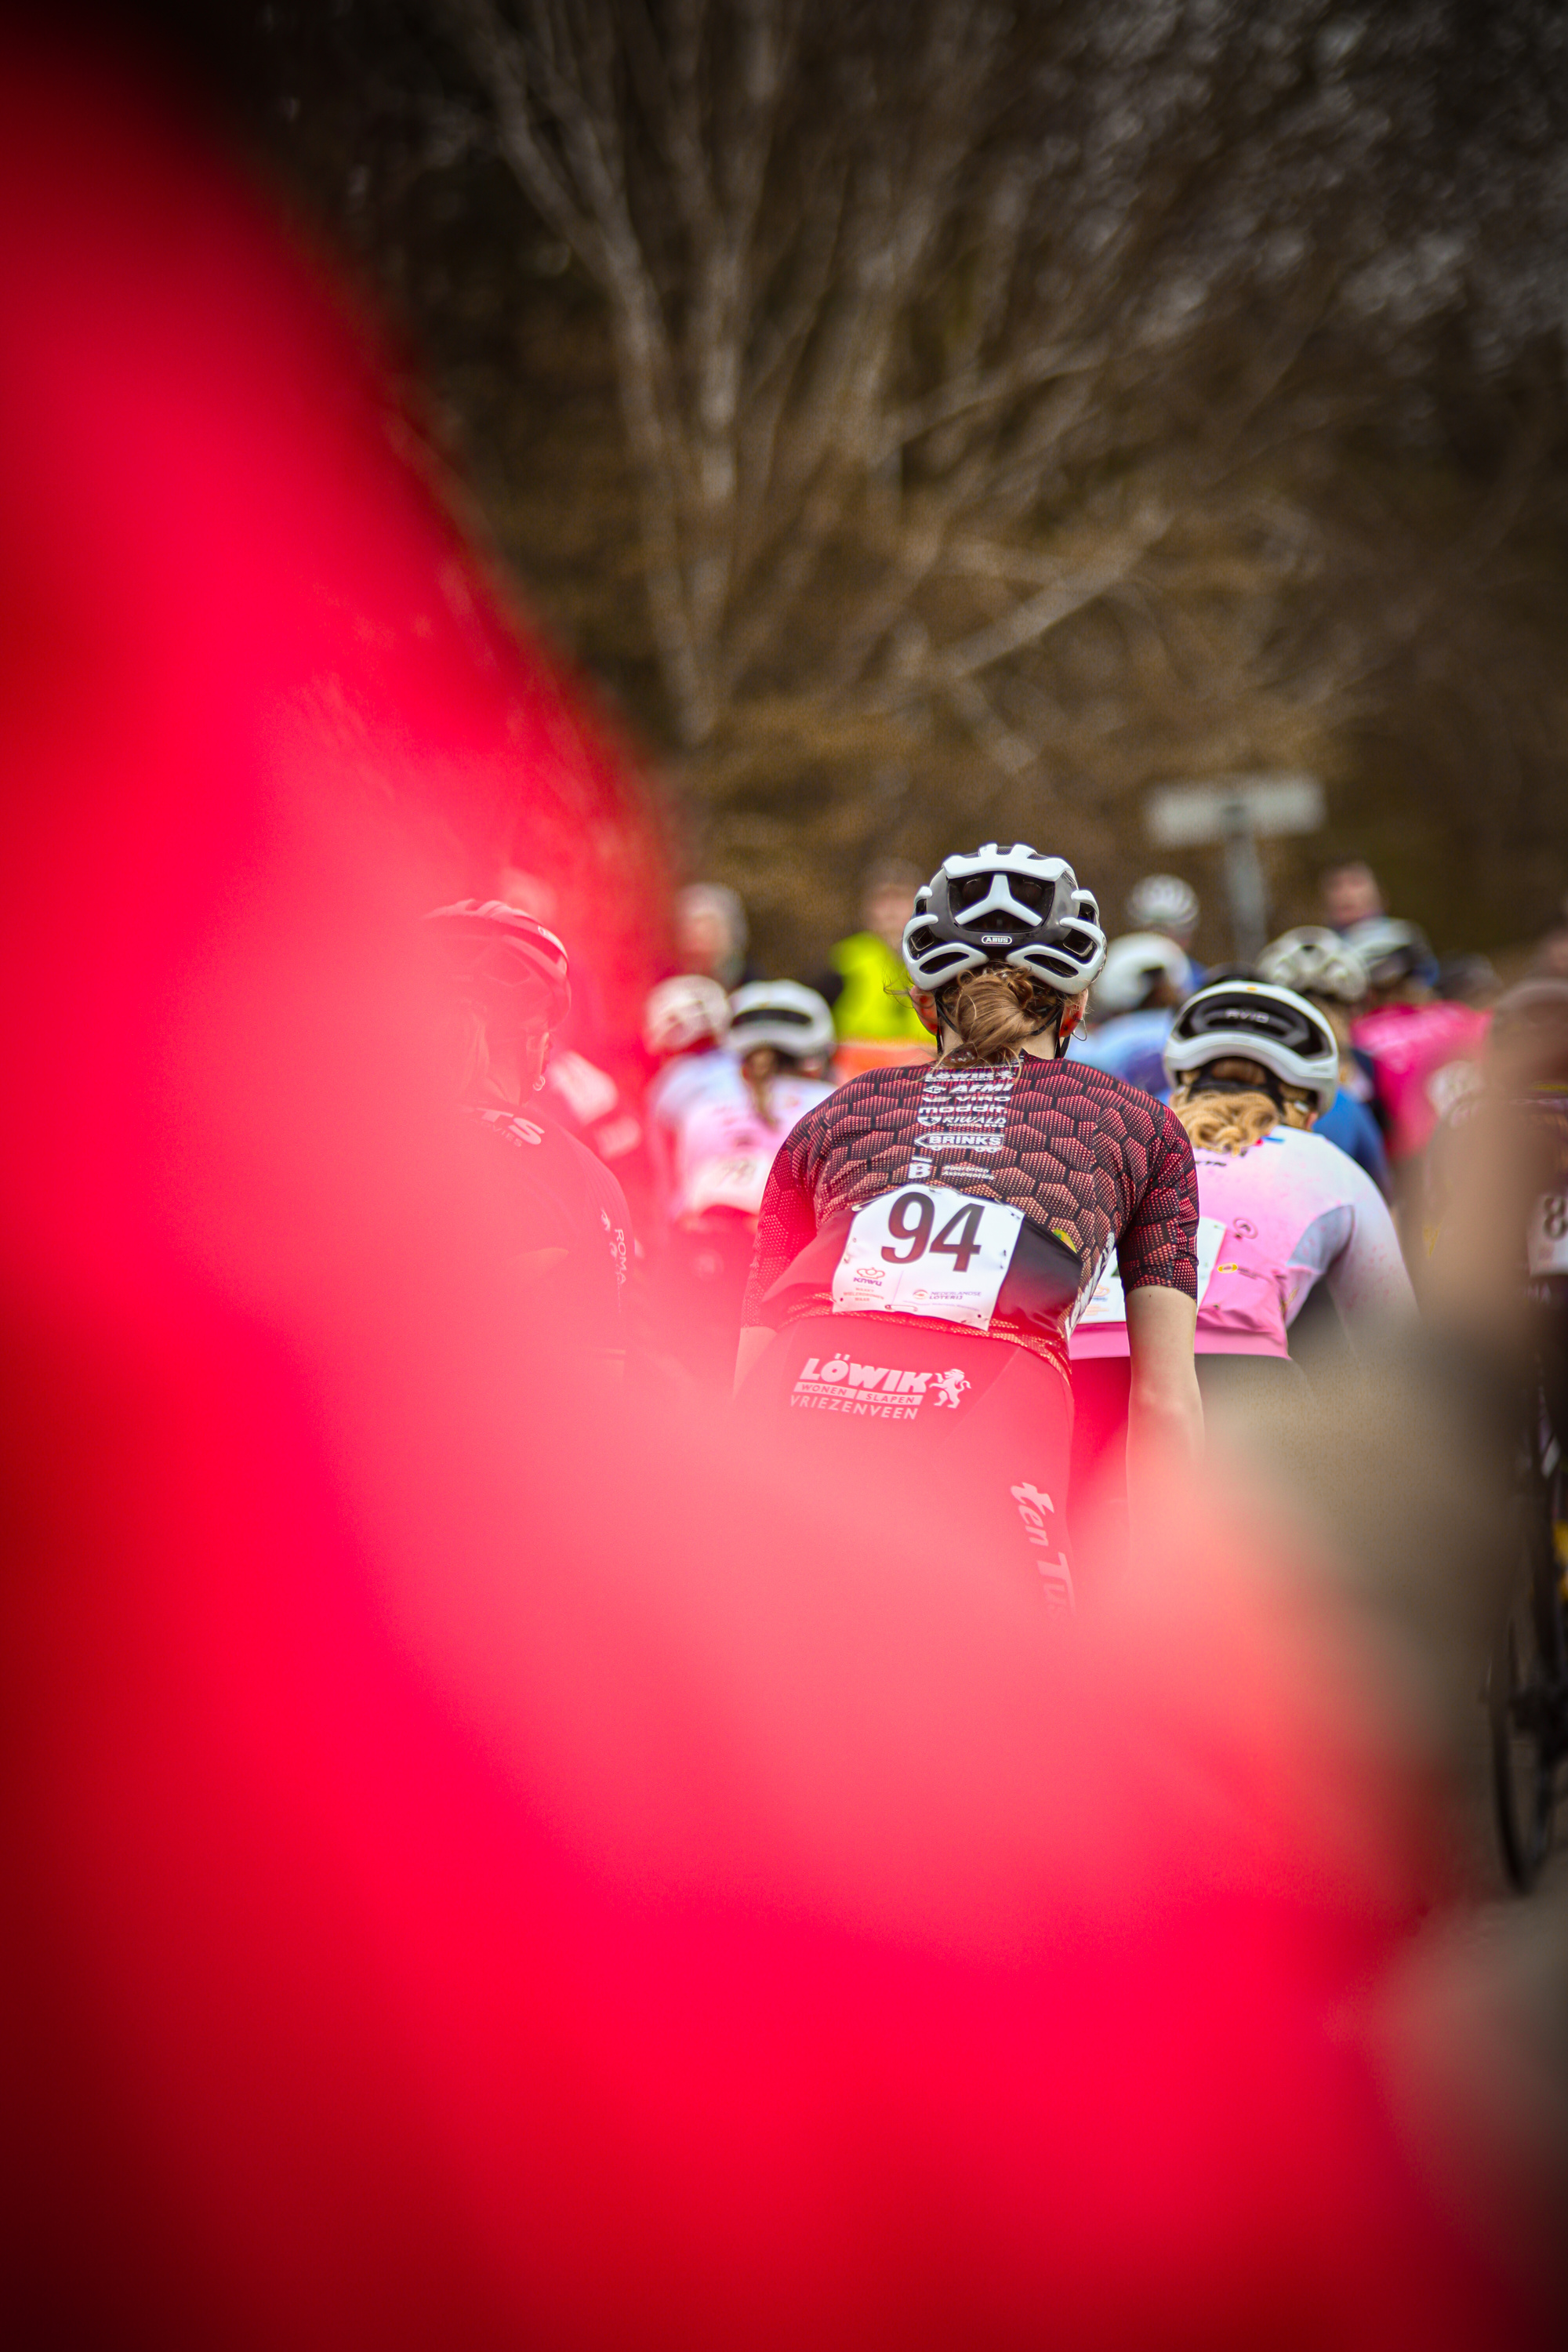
[(883, 1392)]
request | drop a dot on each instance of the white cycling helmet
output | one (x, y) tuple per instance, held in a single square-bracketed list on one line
[(783, 1013), (1316, 961), (1133, 964), (1390, 951), (1007, 904), (1163, 902), (1273, 1027), (682, 1011)]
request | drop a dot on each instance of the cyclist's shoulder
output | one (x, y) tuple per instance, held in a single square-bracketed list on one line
[(682, 1086), (1138, 1111), (884, 1092), (580, 1167), (1070, 1071), (1303, 1158)]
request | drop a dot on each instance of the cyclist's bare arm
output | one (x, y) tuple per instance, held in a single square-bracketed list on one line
[(754, 1339), (1165, 1411)]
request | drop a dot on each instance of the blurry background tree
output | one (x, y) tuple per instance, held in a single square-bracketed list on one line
[(935, 417)]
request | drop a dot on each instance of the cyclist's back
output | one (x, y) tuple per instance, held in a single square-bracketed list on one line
[(1276, 1217), (559, 1220), (739, 1075), (927, 1234), (1420, 1046), (1279, 1207), (723, 1140), (1088, 1159)]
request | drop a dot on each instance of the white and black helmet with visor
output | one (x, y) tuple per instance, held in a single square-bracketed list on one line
[(784, 1013), (1316, 961), (1004, 904), (1245, 1020), (1163, 902)]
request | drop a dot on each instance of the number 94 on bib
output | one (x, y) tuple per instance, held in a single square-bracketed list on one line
[(927, 1250)]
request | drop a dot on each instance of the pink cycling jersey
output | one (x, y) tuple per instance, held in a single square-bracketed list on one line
[(719, 1146), (1422, 1055), (1271, 1221)]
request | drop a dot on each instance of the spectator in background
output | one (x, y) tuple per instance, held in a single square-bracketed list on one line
[(1351, 894), (711, 934), (1145, 977), (870, 963)]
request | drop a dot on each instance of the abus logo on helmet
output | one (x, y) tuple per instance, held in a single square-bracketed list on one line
[(881, 1392)]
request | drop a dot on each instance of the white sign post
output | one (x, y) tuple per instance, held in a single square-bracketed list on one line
[(1236, 810)]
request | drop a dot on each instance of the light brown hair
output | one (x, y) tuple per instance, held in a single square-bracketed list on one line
[(1231, 1122), (759, 1068), (997, 1013)]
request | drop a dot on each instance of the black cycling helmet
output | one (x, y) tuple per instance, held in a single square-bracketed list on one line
[(1006, 904), (506, 961)]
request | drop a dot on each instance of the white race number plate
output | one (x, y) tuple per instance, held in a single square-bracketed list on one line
[(736, 1181), (927, 1250), (1108, 1303), (1549, 1235)]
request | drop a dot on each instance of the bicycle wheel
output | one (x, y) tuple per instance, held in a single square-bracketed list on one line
[(1522, 1702)]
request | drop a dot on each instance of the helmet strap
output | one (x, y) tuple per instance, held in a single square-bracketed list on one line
[(1207, 1083)]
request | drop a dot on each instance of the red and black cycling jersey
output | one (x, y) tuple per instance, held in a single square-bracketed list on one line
[(556, 1216), (1090, 1161)]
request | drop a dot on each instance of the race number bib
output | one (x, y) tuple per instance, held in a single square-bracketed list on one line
[(1107, 1301), (1549, 1235), (926, 1250), (735, 1181)]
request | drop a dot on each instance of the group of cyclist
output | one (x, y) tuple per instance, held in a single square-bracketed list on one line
[(1069, 1188)]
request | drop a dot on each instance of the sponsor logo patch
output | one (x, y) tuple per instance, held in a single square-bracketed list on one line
[(876, 1392), (1035, 1508)]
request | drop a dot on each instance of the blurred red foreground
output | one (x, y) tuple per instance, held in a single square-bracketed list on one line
[(483, 1865)]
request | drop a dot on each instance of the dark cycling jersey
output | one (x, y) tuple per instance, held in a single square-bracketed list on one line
[(1088, 1160), (561, 1221)]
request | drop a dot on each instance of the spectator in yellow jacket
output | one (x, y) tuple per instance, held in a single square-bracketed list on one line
[(870, 961)]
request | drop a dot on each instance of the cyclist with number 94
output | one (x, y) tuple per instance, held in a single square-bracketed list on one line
[(928, 1234)]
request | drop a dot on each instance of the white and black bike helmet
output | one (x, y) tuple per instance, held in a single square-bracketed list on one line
[(784, 1014), (1007, 904), (1247, 1019), (1163, 902), (681, 1012), (1316, 961), (1132, 965), (1390, 951)]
